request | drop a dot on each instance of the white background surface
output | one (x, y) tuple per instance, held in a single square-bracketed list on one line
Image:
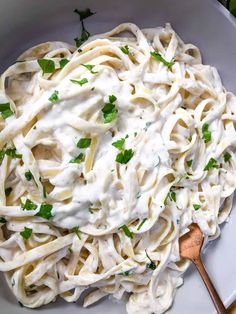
[(24, 23)]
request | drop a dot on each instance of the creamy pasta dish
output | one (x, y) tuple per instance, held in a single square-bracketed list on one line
[(107, 154)]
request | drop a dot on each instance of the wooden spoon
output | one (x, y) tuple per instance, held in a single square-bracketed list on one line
[(190, 247)]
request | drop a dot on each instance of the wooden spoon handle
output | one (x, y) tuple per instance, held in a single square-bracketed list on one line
[(212, 291)]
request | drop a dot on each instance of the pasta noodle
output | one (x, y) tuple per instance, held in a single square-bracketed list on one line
[(108, 154)]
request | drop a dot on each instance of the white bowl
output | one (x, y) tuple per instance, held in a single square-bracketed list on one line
[(207, 24)]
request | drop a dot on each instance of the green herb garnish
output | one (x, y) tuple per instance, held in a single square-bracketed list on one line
[(11, 152), (28, 205), (26, 233), (84, 36), (8, 191), (81, 82), (5, 110), (125, 273), (150, 265), (28, 175), (47, 65), (84, 14), (212, 163), (84, 143), (76, 231), (119, 144), (2, 220), (125, 49), (109, 110), (171, 195), (127, 232), (63, 62), (141, 223), (196, 206), (155, 55), (78, 159), (54, 97), (125, 156), (206, 134), (45, 211), (227, 156), (189, 162), (90, 68)]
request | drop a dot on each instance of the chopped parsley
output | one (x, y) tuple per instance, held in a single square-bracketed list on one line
[(171, 195), (45, 211), (28, 205), (5, 110), (84, 143), (150, 265), (141, 223), (84, 34), (196, 206), (125, 273), (28, 175), (54, 97), (47, 65), (8, 191), (206, 134), (90, 68), (26, 233), (127, 232), (119, 144), (125, 156), (135, 134), (63, 62), (227, 156), (155, 55), (189, 162), (78, 159), (125, 49), (81, 82), (212, 163), (11, 152), (109, 110), (77, 232), (2, 220), (44, 191), (84, 14)]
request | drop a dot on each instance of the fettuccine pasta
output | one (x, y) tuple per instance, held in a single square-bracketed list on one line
[(108, 153)]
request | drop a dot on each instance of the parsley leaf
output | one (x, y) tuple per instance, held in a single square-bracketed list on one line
[(5, 110), (90, 68), (189, 162), (227, 156), (2, 220), (125, 273), (171, 195), (45, 211), (84, 14), (150, 265), (54, 97), (119, 144), (206, 134), (141, 223), (84, 36), (112, 98), (47, 65), (26, 233), (81, 82), (11, 152), (155, 55), (63, 62), (78, 159), (212, 163), (127, 232), (125, 156), (28, 175), (8, 191), (28, 205), (77, 232), (125, 49), (84, 142), (196, 206), (109, 110)]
